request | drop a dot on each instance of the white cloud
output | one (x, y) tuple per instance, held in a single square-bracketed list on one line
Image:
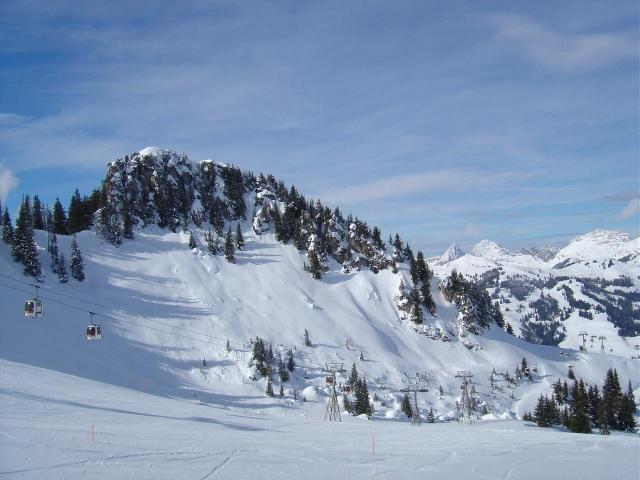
[(632, 208), (423, 182), (564, 51), (8, 182)]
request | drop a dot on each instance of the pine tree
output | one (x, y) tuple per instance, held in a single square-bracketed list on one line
[(509, 329), (570, 374), (416, 310), (405, 406), (523, 365), (291, 364), (38, 217), (540, 414), (74, 219), (229, 249), (24, 249), (77, 264), (212, 245), (307, 340), (626, 415), (53, 250), (427, 299), (63, 276), (578, 416), (59, 218), (353, 376), (269, 390), (192, 241), (283, 373), (127, 220), (430, 416), (314, 264), (108, 226), (227, 347), (239, 238), (7, 227), (498, 317)]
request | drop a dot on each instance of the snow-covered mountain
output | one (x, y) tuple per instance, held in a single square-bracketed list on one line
[(181, 322), (551, 295), (450, 254)]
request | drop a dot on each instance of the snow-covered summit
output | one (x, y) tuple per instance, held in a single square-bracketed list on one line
[(452, 253), (153, 151), (490, 250), (601, 245)]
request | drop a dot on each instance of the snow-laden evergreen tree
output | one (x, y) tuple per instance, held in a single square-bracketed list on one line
[(59, 218), (77, 264), (229, 249), (108, 225), (281, 392), (212, 244), (431, 418), (269, 390), (24, 249), (74, 217), (307, 339), (7, 227), (52, 243), (239, 238), (353, 376), (192, 241), (405, 406), (63, 276), (314, 264), (283, 373), (127, 220), (291, 364), (38, 216)]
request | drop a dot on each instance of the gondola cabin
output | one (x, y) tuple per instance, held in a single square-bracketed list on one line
[(94, 332), (33, 308), (329, 380)]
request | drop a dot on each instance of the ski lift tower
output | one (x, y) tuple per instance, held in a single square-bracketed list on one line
[(467, 407), (584, 336), (602, 338), (415, 418), (333, 409)]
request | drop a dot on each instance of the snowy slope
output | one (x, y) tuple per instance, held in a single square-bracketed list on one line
[(58, 426), (169, 307)]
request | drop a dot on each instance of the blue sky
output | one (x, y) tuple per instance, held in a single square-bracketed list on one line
[(445, 121)]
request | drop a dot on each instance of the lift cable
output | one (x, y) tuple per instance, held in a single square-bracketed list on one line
[(104, 315)]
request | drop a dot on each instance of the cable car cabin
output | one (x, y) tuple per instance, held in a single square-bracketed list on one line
[(33, 308), (329, 380), (346, 389), (94, 332)]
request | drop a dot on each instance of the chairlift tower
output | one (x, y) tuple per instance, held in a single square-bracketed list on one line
[(467, 406), (332, 413), (415, 418), (602, 338), (584, 336)]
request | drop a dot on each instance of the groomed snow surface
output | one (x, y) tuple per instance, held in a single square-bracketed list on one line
[(139, 404), (59, 426)]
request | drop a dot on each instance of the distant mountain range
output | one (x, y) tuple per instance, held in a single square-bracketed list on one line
[(550, 295)]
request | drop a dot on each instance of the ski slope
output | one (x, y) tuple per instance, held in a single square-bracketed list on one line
[(47, 419), (159, 413)]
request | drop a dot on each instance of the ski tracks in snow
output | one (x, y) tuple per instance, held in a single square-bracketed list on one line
[(219, 467)]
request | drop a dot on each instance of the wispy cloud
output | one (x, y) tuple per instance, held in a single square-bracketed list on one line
[(8, 182), (422, 182), (564, 50), (632, 209)]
